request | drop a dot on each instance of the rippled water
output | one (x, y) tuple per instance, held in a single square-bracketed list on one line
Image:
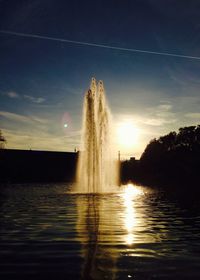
[(138, 233)]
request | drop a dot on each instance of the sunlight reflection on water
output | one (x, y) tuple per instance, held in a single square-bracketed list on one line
[(130, 219), (135, 231)]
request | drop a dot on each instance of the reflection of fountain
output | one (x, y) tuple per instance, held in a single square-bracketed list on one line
[(96, 170), (90, 268), (94, 230)]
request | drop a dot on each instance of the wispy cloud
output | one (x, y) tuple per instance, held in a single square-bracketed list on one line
[(165, 107), (15, 95), (40, 140), (159, 115), (193, 116), (34, 99), (15, 117), (157, 121), (12, 94), (22, 118), (153, 116)]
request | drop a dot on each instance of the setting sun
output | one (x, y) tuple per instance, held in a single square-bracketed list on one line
[(127, 134)]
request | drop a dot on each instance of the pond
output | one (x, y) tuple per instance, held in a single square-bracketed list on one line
[(137, 233)]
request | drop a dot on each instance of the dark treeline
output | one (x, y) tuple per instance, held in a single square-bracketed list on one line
[(169, 161)]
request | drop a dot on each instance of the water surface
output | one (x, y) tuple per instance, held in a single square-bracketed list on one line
[(48, 232)]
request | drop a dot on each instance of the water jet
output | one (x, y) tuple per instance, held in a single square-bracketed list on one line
[(96, 168)]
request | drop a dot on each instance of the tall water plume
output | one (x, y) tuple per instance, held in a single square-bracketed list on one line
[(96, 169)]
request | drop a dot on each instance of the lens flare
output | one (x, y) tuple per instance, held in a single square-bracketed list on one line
[(66, 123)]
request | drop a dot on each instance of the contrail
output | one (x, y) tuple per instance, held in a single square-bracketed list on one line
[(97, 45)]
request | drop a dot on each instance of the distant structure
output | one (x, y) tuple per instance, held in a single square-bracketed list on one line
[(27, 166), (119, 156), (132, 159)]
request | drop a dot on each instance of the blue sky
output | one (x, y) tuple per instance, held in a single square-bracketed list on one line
[(42, 82)]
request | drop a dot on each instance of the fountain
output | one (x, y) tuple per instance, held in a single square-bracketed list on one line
[(96, 169)]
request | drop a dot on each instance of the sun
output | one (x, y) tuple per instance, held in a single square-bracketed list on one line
[(127, 134)]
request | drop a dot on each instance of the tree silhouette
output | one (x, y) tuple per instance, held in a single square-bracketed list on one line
[(171, 160), (187, 139), (2, 141)]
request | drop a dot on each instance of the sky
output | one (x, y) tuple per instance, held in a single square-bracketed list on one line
[(43, 81)]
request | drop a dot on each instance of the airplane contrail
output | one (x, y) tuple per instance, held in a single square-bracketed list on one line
[(8, 32)]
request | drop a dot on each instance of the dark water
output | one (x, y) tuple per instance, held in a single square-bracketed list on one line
[(48, 232)]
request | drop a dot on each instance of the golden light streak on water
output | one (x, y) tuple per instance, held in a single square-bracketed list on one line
[(130, 216)]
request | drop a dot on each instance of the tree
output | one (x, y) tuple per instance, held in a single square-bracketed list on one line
[(153, 151), (187, 136), (2, 141), (168, 141)]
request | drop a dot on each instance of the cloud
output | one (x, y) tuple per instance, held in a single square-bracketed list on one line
[(40, 140), (153, 116), (160, 115), (157, 121), (35, 99), (39, 120), (15, 117), (12, 94), (165, 107), (193, 115), (21, 118)]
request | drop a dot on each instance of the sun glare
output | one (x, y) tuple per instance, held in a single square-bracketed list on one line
[(127, 134)]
